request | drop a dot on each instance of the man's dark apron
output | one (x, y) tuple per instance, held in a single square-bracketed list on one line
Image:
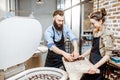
[(95, 56), (53, 59)]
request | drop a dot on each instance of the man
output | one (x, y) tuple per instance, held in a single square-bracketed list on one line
[(55, 36)]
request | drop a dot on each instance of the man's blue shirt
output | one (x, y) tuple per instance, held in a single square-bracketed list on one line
[(49, 35)]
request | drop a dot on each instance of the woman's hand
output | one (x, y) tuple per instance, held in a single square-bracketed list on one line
[(92, 70)]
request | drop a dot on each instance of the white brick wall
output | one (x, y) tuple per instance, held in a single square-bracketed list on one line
[(113, 16)]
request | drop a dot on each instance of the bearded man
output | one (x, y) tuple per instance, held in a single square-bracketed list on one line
[(55, 36)]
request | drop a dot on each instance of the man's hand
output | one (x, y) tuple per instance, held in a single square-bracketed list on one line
[(75, 54), (69, 57)]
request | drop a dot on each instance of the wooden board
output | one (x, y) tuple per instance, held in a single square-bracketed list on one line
[(33, 62), (77, 68), (2, 76)]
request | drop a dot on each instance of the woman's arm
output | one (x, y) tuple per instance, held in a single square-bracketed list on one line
[(94, 68), (102, 61), (86, 53)]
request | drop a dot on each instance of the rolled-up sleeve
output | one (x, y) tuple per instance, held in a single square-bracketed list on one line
[(49, 38)]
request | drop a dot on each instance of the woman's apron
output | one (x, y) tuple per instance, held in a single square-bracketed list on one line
[(54, 59), (95, 56)]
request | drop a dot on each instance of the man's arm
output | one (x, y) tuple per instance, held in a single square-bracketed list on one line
[(68, 56), (75, 51)]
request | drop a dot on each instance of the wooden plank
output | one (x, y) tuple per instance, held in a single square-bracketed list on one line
[(77, 68), (2, 76), (33, 62)]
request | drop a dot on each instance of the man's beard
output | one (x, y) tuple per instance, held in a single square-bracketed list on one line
[(59, 28)]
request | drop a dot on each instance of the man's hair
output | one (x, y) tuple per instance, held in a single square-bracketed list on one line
[(58, 12)]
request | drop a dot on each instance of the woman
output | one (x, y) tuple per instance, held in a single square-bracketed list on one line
[(101, 49)]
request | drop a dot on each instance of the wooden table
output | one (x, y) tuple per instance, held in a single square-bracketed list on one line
[(113, 70), (2, 76)]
